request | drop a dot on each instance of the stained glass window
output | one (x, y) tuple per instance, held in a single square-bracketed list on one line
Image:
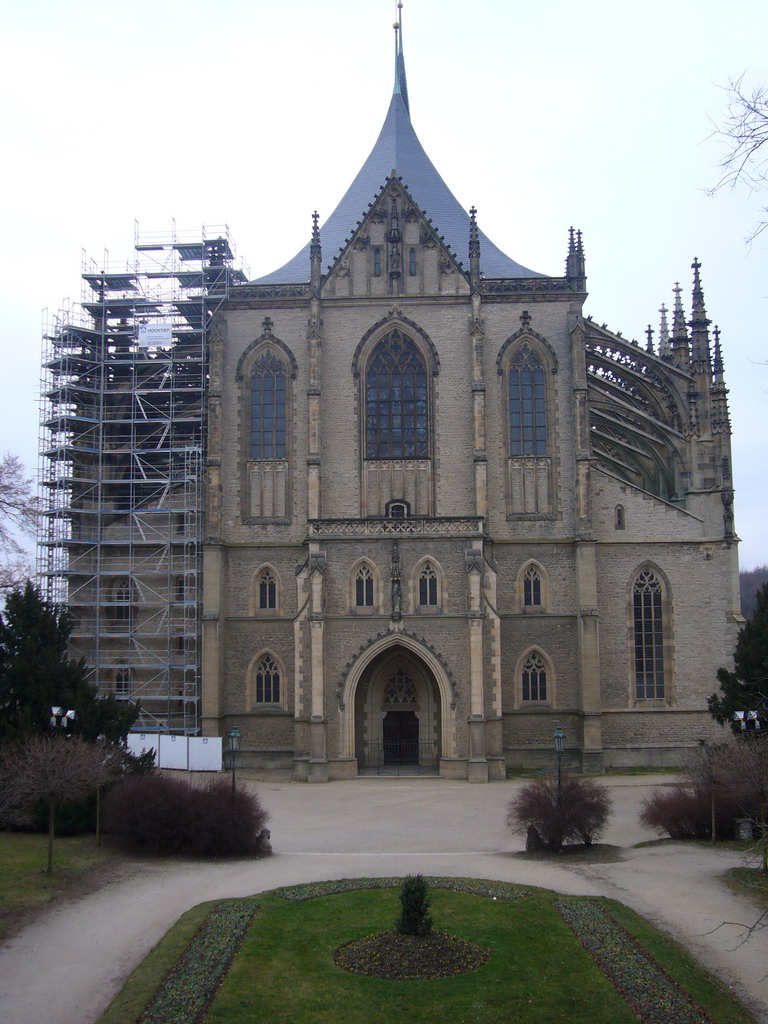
[(649, 637), (268, 409), (396, 400), (527, 404)]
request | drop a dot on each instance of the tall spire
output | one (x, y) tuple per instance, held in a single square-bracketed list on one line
[(401, 85), (398, 147)]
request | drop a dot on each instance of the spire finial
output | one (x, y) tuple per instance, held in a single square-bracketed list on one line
[(401, 86), (649, 336)]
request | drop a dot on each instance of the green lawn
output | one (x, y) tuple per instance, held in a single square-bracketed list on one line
[(24, 887), (537, 972)]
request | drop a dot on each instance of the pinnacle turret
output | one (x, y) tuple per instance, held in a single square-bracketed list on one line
[(700, 354), (665, 350), (681, 353), (575, 267)]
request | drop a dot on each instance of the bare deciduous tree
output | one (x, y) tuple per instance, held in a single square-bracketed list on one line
[(744, 129), (18, 515), (53, 769)]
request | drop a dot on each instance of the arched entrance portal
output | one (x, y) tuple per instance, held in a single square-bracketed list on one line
[(397, 716)]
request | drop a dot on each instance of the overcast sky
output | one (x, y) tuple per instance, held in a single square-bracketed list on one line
[(598, 115)]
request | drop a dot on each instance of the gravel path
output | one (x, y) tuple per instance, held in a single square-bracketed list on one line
[(66, 966)]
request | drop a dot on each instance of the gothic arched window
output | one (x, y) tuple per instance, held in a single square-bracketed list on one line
[(527, 404), (396, 400), (531, 587), (267, 408), (428, 586), (648, 625), (123, 683), (267, 586), (266, 681), (534, 678), (364, 587)]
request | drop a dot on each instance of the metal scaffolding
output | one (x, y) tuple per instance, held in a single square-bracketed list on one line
[(123, 435)]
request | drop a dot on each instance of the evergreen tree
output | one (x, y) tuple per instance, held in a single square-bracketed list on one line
[(746, 688), (414, 902), (37, 674)]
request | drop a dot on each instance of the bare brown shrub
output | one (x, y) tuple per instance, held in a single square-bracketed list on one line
[(163, 815), (578, 813)]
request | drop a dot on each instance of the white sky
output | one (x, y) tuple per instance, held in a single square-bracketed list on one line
[(597, 114)]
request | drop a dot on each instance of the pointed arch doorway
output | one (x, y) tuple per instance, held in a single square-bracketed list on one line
[(397, 716)]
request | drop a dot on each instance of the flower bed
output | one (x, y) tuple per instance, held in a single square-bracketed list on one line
[(492, 890), (651, 993), (191, 984)]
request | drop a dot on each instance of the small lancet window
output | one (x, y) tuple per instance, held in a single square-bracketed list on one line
[(531, 587), (267, 681), (377, 262), (428, 586), (123, 683), (619, 518), (412, 262), (267, 590), (364, 587), (122, 598), (534, 678)]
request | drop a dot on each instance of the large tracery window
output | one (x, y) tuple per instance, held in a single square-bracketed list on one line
[(534, 678), (266, 681), (268, 408), (648, 611), (396, 400), (527, 404)]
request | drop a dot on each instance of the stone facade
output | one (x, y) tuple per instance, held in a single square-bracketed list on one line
[(446, 512)]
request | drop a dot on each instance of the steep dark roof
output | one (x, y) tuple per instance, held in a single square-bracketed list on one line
[(398, 148)]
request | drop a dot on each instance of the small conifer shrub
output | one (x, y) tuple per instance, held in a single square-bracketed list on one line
[(414, 903)]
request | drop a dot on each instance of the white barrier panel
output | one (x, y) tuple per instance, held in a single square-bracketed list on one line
[(139, 742), (204, 753), (173, 752)]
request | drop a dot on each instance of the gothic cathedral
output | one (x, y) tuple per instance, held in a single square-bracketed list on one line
[(446, 513)]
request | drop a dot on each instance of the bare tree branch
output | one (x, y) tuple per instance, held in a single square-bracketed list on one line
[(745, 132)]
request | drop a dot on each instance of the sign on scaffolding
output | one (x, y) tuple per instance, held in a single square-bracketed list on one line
[(155, 335)]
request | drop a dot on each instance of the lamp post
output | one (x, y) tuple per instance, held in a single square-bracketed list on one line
[(234, 746), (558, 737)]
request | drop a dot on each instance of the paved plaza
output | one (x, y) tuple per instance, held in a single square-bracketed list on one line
[(66, 966)]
